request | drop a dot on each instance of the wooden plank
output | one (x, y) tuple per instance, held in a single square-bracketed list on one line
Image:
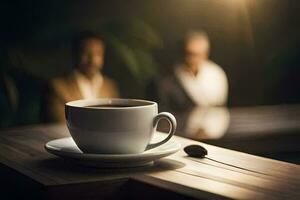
[(23, 150), (177, 182), (255, 163)]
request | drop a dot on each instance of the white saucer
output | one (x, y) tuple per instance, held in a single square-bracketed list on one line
[(66, 148)]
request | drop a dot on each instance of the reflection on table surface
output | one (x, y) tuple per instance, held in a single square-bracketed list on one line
[(258, 130), (204, 123)]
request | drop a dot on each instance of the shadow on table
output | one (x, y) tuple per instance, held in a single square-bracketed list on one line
[(60, 165)]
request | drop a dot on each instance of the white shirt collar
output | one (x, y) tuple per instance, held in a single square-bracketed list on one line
[(88, 88)]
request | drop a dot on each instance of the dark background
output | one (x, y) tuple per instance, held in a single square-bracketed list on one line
[(255, 41)]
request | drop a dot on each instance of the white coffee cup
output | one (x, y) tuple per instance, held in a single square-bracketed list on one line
[(115, 126)]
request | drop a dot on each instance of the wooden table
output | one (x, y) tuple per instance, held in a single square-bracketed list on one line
[(27, 171), (255, 130)]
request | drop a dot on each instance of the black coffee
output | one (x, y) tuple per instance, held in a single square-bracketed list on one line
[(110, 106)]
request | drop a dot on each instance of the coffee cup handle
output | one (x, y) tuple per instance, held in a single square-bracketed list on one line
[(172, 122)]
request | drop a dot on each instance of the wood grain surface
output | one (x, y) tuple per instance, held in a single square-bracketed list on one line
[(27, 170)]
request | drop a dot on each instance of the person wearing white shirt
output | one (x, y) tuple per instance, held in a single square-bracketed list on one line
[(197, 81)]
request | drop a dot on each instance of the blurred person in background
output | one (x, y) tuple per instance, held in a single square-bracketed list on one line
[(196, 81), (86, 80)]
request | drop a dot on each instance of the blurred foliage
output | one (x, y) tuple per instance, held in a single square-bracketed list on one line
[(134, 44), (20, 90)]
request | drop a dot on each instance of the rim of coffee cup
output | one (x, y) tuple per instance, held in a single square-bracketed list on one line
[(86, 103)]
